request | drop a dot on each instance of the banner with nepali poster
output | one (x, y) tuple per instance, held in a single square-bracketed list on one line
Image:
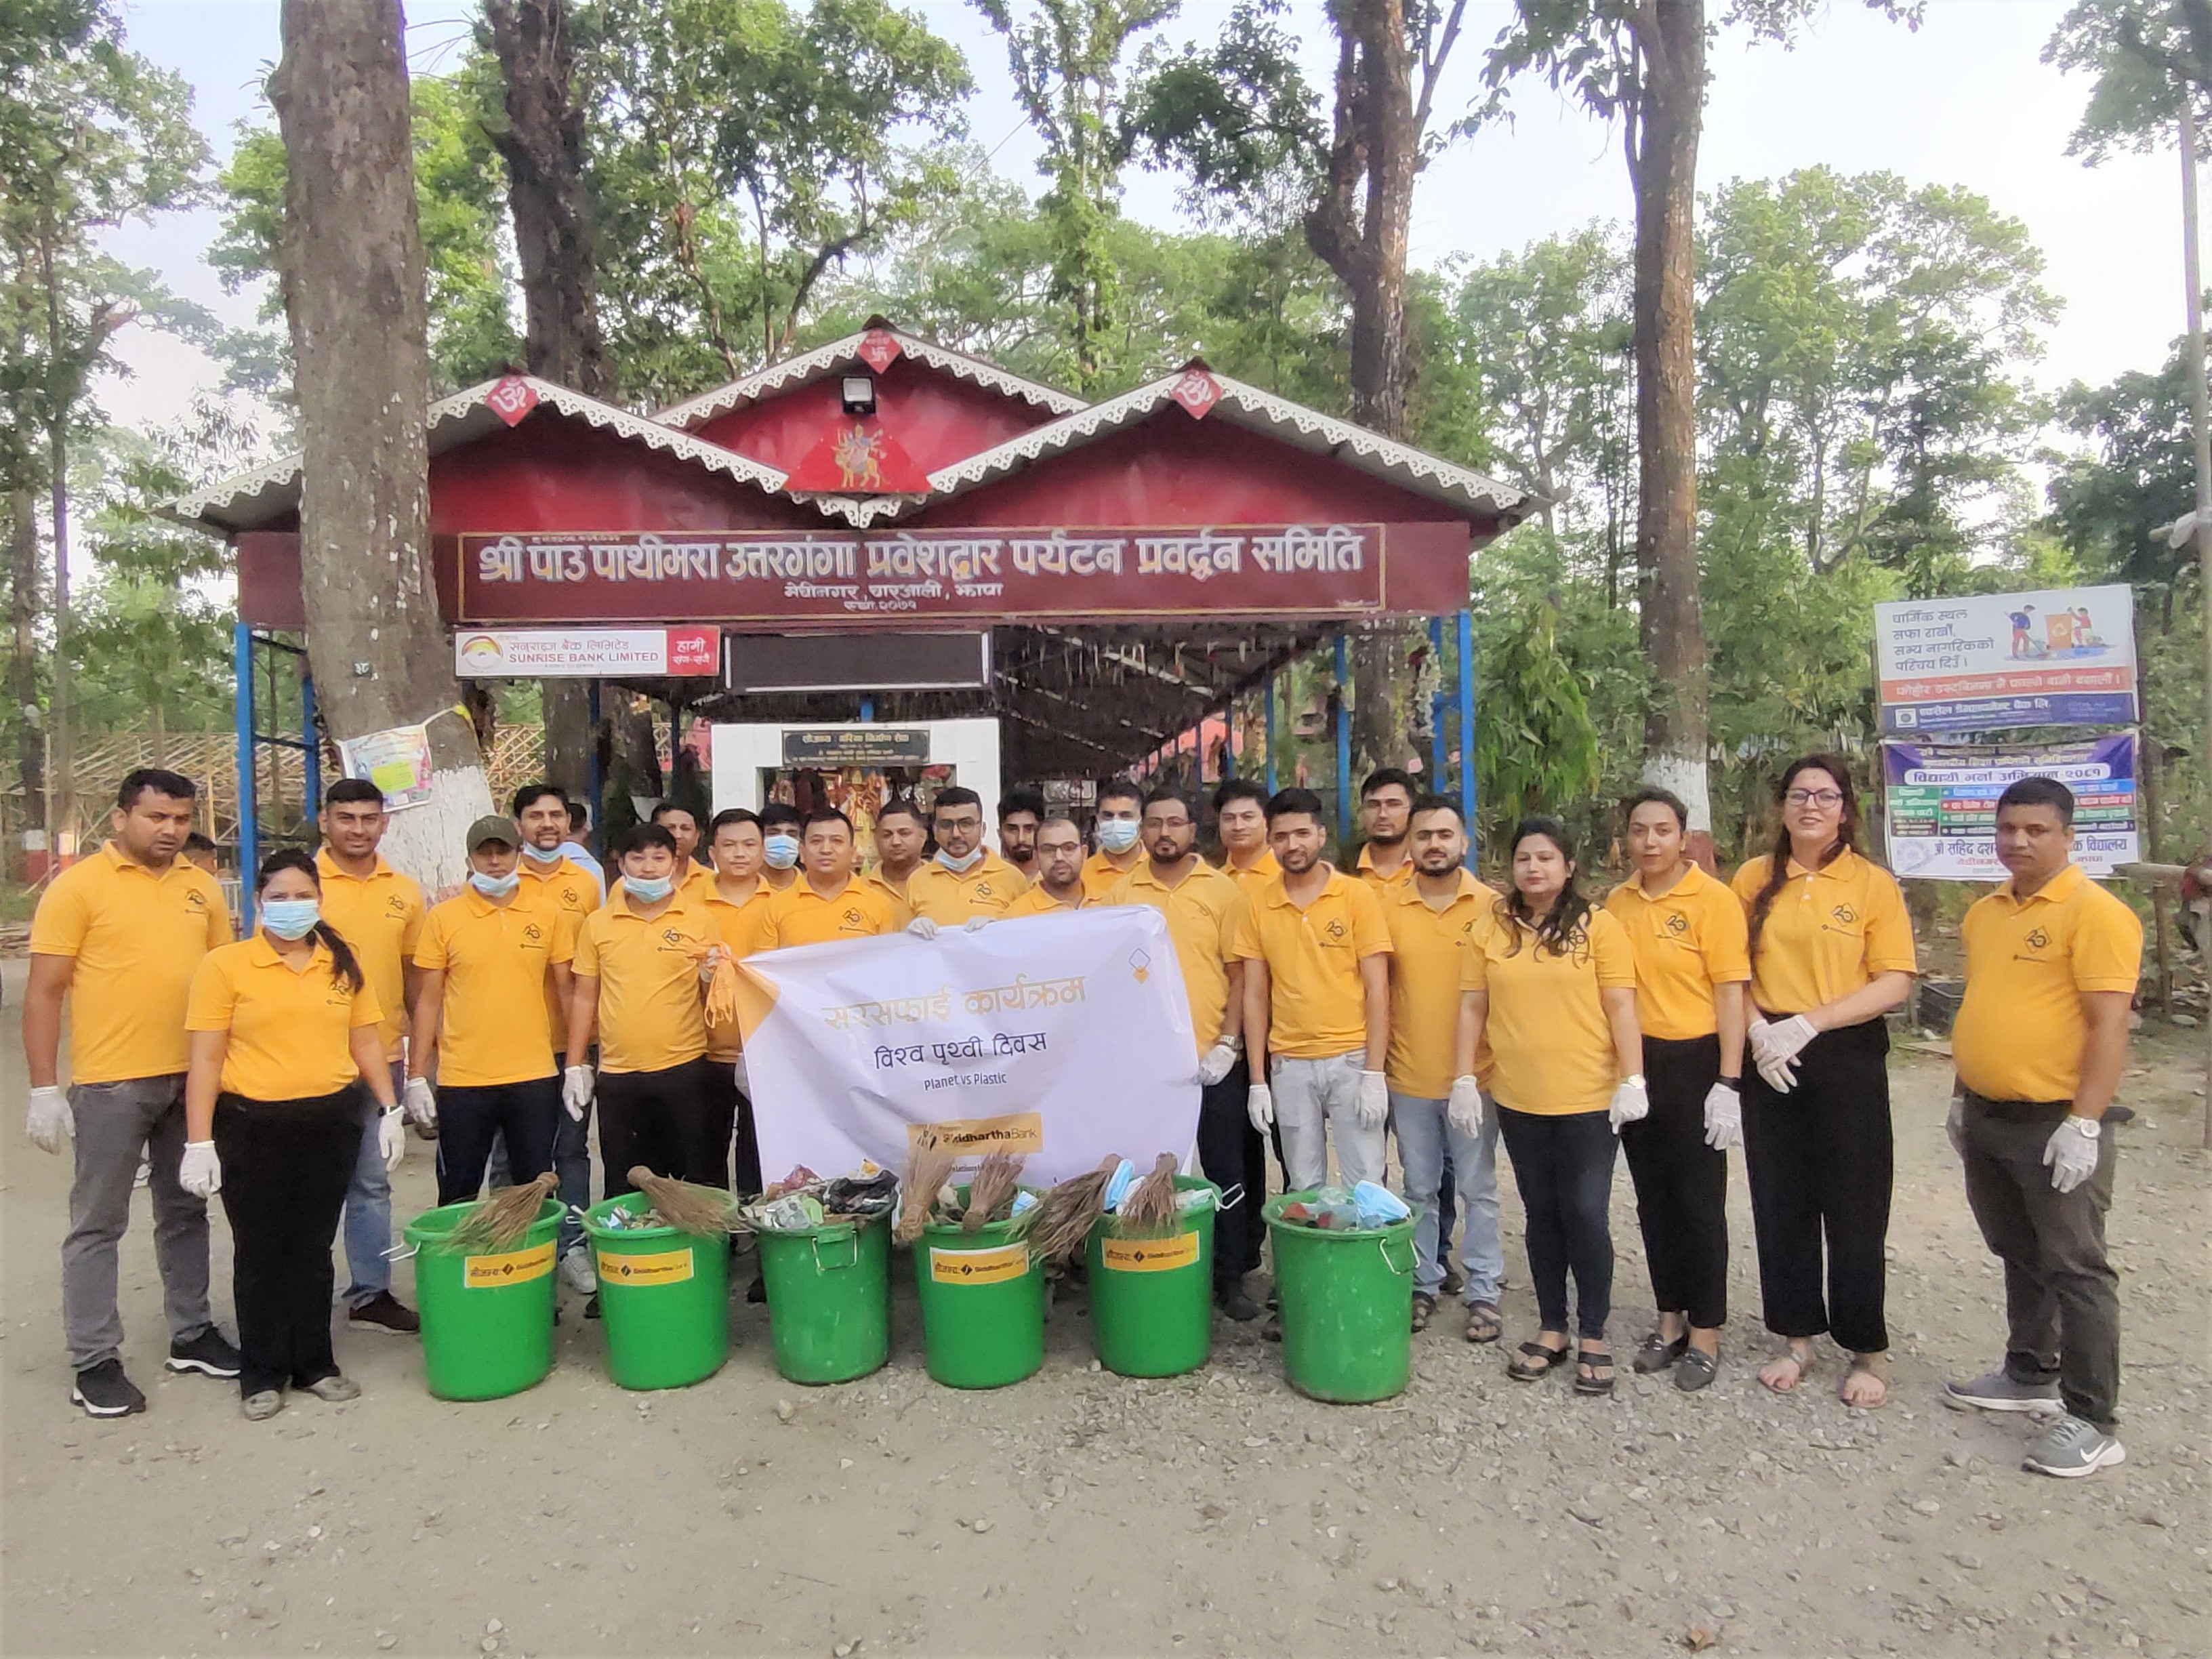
[(1990, 662), (1941, 803)]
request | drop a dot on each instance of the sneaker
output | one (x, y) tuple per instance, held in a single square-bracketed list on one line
[(757, 1292), (208, 1353), (104, 1391), (384, 1312), (2071, 1449), (260, 1408), (1999, 1392), (1453, 1282), (336, 1389), (576, 1268)]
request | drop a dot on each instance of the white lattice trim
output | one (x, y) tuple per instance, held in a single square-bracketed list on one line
[(841, 353), (1261, 411), (284, 473)]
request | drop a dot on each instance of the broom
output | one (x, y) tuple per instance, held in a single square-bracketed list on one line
[(702, 1211), (1150, 1210), (497, 1222), (1064, 1220), (994, 1184), (928, 1167)]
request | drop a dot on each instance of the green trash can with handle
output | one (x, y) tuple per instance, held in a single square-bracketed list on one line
[(1151, 1299), (663, 1297), (828, 1298), (487, 1315), (982, 1304), (1346, 1301)]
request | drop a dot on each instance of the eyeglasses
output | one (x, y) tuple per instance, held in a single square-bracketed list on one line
[(1814, 798)]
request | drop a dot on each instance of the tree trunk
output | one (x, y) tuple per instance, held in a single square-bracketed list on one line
[(26, 579), (354, 291), (1664, 163), (557, 244), (61, 803)]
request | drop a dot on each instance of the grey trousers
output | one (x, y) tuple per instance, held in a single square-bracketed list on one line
[(2062, 1297), (115, 1124)]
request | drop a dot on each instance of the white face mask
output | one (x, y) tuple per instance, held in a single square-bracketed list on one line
[(781, 851), (542, 855), (960, 867), (1116, 834)]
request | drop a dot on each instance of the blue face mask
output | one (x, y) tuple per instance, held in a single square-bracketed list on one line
[(782, 852), (1117, 834), (960, 867), (649, 891), (495, 886), (291, 918), (542, 854)]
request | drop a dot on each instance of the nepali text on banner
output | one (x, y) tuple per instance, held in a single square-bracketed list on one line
[(1941, 803)]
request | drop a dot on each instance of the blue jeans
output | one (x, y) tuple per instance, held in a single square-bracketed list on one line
[(1427, 1142), (572, 1162), (368, 1212)]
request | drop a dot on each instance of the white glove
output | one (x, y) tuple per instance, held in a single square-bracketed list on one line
[(1775, 1046), (738, 1075), (708, 962), (577, 1084), (1954, 1125), (1374, 1100), (391, 1138), (2070, 1156), (201, 1172), (421, 1103), (1724, 1118), (50, 1122), (922, 927), (1465, 1112), (1259, 1107), (1216, 1062), (1631, 1104), (975, 923)]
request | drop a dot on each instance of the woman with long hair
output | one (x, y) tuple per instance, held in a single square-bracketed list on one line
[(1686, 931), (283, 1036), (1831, 953), (1554, 988)]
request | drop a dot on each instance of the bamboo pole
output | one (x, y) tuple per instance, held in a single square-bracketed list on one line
[(2200, 412)]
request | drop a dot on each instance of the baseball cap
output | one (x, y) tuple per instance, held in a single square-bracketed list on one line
[(493, 827)]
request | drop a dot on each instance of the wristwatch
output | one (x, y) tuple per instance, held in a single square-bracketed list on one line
[(2089, 1127)]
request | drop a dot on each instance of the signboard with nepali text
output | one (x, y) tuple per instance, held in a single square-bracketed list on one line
[(1941, 803), (1061, 1039), (1989, 662), (586, 652), (856, 579)]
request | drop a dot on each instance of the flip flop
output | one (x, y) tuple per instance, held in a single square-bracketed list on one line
[(1594, 1362), (1534, 1360)]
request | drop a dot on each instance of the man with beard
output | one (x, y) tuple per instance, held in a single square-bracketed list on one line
[(966, 885), (1021, 814), (902, 837), (1385, 808), (1059, 872)]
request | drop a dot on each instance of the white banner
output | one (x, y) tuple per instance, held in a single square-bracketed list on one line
[(1989, 662), (1061, 1038), (585, 653)]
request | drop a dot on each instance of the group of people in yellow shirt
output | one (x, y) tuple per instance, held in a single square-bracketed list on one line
[(1330, 1009)]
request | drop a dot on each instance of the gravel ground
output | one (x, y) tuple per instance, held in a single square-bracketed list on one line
[(1081, 1513)]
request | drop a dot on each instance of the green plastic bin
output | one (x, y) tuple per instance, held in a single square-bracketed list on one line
[(1346, 1302), (983, 1305), (487, 1317), (829, 1299), (664, 1298), (1151, 1299)]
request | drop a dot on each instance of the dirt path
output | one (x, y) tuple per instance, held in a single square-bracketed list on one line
[(1083, 1514)]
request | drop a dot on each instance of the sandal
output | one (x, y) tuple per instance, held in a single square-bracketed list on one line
[(1695, 1369), (1799, 1364), (1424, 1306), (1656, 1353), (1484, 1322), (1594, 1362), (1875, 1365), (1534, 1360)]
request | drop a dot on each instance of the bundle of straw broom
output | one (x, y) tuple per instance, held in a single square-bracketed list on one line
[(686, 1206), (499, 1220), (997, 1179), (1069, 1211), (928, 1167), (1150, 1211)]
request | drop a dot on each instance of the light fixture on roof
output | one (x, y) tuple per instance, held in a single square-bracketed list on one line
[(860, 394)]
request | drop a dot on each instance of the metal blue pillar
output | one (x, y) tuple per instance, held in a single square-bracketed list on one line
[(249, 831), (867, 707), (1269, 692), (311, 752), (596, 782), (1467, 801), (1438, 750), (1343, 751)]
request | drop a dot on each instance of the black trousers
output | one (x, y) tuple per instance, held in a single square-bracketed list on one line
[(723, 1091), (285, 1166), (1230, 1153), (2062, 1297), (1821, 1160), (1563, 1165), (1682, 1183), (674, 1122), (472, 1117)]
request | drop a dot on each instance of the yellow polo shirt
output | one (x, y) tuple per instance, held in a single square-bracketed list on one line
[(800, 915), (291, 1030), (653, 1008), (1365, 870), (697, 881), (744, 929), (949, 898), (1317, 1003), (492, 1024), (1039, 903), (137, 938), (1686, 941), (1551, 1041), (882, 884), (2020, 1030), (1251, 878), (1429, 949), (1201, 911), (1828, 932), (1100, 875), (566, 888), (381, 917)]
